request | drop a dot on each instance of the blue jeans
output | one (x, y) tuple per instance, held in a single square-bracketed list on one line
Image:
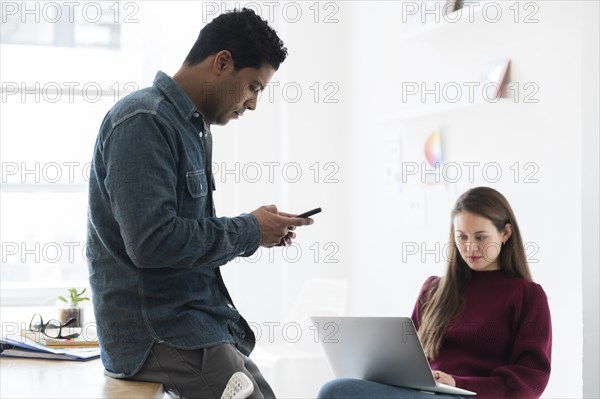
[(348, 388)]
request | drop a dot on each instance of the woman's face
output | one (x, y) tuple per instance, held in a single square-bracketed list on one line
[(478, 241)]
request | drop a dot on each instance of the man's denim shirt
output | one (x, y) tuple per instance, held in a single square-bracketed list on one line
[(154, 244)]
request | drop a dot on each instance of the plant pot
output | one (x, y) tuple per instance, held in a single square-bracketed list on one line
[(65, 314)]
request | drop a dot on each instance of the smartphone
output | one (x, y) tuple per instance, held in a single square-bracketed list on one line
[(309, 213)]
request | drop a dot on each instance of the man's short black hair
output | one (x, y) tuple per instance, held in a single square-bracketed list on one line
[(249, 39)]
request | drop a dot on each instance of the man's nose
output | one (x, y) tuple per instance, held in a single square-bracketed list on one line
[(250, 104)]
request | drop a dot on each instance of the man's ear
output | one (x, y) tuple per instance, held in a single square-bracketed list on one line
[(223, 62)]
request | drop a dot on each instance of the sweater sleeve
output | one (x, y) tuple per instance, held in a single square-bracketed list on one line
[(528, 371)]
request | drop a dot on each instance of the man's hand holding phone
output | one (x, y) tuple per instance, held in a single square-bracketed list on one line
[(276, 228)]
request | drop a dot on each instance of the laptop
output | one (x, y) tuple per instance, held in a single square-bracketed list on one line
[(380, 349)]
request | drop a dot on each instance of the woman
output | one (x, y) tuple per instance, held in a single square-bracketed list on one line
[(485, 325)]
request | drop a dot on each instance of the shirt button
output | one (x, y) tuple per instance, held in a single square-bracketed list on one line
[(230, 306), (196, 115), (200, 134)]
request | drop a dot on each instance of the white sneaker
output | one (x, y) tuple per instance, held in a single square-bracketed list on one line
[(238, 387)]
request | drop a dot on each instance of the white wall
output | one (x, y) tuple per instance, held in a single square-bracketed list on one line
[(295, 132), (549, 134), (590, 201)]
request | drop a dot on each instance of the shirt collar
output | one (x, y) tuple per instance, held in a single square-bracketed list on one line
[(175, 94)]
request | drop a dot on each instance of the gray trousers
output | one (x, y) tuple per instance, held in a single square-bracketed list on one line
[(200, 373)]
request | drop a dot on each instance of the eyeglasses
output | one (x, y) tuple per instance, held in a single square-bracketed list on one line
[(53, 328)]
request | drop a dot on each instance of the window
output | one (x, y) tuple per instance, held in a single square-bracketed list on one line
[(64, 24), (62, 69)]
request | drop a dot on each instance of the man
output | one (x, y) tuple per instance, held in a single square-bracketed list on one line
[(154, 242)]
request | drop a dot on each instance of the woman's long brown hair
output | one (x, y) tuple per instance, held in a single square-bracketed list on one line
[(443, 302)]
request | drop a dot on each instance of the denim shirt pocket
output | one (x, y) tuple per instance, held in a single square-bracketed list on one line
[(194, 196), (196, 183)]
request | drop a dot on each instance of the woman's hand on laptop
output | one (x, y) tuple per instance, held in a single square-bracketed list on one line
[(444, 378)]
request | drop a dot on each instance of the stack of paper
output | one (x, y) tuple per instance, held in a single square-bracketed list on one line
[(23, 347), (41, 339)]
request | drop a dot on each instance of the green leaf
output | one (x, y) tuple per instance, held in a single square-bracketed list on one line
[(74, 296)]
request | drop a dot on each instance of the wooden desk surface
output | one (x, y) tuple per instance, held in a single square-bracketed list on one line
[(27, 378)]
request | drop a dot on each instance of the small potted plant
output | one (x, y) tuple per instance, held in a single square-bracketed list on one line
[(69, 307)]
